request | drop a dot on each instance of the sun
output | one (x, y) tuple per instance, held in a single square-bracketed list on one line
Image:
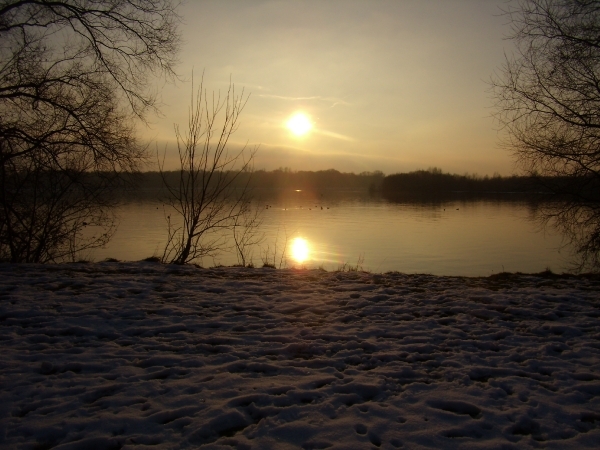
[(299, 124), (299, 249)]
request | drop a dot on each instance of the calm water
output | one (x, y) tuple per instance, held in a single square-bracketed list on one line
[(456, 238)]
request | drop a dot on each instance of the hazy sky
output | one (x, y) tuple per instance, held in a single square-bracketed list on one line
[(393, 85)]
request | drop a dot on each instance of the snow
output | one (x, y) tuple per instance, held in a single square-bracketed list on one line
[(144, 355)]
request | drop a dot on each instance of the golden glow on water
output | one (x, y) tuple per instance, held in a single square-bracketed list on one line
[(454, 238), (299, 249)]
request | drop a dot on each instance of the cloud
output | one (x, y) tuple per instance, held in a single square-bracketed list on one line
[(334, 135), (335, 101)]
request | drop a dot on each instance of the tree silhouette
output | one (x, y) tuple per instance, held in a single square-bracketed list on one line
[(207, 199), (74, 77), (548, 101)]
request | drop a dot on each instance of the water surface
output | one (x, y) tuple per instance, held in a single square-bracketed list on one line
[(472, 238)]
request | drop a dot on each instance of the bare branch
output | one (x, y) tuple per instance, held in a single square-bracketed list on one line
[(74, 77), (208, 198), (548, 103)]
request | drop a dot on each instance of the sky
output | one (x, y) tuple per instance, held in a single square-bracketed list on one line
[(390, 85)]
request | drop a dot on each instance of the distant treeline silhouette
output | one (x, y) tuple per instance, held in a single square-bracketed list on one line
[(430, 183), (433, 182), (280, 179)]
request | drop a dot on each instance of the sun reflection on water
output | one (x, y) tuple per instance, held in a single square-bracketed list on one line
[(299, 249)]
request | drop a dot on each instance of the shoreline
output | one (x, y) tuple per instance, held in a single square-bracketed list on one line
[(112, 264)]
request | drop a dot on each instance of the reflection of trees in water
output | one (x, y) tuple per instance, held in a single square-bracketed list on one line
[(579, 223), (573, 209), (575, 217)]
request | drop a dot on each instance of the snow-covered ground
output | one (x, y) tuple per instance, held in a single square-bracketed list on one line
[(143, 355)]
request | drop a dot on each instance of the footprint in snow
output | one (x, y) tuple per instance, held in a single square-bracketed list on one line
[(360, 429)]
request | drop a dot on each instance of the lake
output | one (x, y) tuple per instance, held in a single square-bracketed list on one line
[(471, 238)]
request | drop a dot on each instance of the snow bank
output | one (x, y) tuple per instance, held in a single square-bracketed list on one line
[(141, 355)]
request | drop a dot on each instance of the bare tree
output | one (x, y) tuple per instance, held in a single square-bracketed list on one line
[(245, 232), (74, 77), (548, 101), (211, 196), (51, 213)]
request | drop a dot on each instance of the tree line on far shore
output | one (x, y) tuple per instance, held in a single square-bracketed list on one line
[(433, 182), (149, 184), (399, 186)]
